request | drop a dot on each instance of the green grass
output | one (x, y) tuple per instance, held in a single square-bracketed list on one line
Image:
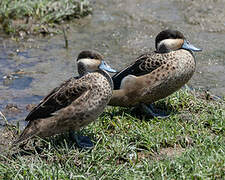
[(34, 16), (190, 144)]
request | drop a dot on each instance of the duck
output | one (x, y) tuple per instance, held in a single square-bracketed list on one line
[(75, 103), (155, 75)]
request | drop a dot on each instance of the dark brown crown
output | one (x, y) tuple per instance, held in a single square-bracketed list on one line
[(168, 34), (90, 55)]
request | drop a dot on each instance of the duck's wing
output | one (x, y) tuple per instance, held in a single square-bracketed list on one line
[(59, 98), (144, 64)]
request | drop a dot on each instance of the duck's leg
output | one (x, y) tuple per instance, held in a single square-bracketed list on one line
[(81, 141), (149, 111)]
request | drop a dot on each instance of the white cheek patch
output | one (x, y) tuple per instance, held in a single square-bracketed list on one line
[(172, 44), (86, 61), (90, 64)]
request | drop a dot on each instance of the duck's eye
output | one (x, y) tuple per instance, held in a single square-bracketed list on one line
[(187, 42), (103, 63)]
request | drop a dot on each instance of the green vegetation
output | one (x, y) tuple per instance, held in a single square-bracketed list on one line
[(35, 16), (190, 144)]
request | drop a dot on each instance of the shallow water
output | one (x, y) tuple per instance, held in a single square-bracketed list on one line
[(121, 30)]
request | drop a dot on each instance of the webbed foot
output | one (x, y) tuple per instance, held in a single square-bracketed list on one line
[(83, 142), (150, 111)]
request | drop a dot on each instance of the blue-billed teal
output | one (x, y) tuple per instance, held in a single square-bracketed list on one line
[(157, 74), (75, 103)]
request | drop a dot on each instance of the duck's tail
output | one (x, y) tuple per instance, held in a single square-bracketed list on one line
[(27, 133)]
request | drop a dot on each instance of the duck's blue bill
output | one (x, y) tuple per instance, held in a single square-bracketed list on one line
[(106, 67), (189, 46)]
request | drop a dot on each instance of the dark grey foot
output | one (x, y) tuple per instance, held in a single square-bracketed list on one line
[(81, 141), (149, 111)]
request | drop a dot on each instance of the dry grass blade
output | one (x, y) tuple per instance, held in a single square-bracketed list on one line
[(4, 118)]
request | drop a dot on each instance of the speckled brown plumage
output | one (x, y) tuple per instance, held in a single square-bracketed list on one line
[(74, 104), (155, 75), (144, 64)]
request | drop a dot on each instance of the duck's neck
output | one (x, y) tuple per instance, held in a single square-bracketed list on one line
[(163, 49), (81, 69)]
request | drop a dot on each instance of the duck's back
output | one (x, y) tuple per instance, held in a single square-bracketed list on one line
[(149, 62)]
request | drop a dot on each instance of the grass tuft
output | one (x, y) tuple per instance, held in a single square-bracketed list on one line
[(35, 16)]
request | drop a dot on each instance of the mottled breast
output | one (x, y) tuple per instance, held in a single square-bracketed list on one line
[(170, 76)]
